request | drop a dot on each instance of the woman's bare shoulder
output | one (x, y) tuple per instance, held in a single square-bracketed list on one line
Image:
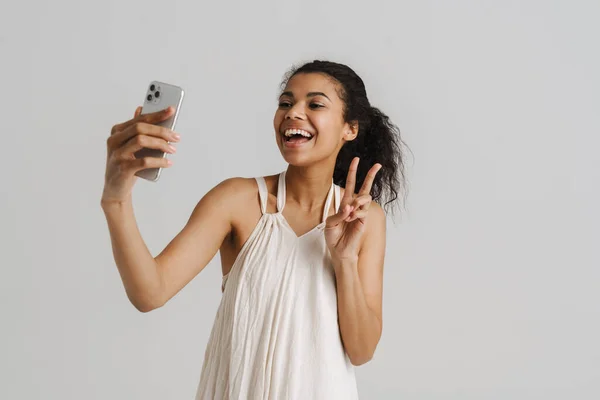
[(240, 189), (235, 187)]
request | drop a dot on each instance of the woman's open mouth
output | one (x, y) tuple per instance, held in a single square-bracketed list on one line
[(296, 137)]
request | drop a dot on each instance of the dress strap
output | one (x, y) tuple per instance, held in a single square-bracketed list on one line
[(281, 192), (337, 198), (328, 201), (262, 193)]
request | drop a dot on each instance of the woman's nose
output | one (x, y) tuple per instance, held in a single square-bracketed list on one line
[(294, 113)]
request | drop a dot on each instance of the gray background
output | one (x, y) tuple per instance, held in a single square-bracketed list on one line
[(492, 273)]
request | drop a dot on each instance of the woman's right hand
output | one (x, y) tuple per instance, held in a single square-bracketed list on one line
[(124, 141)]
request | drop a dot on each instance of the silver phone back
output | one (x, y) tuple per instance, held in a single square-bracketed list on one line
[(159, 95)]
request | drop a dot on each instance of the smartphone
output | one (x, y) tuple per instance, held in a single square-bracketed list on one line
[(159, 96)]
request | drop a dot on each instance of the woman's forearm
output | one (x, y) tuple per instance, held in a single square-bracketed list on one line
[(360, 328), (138, 269)]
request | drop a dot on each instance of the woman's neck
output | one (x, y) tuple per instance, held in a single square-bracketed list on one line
[(307, 187)]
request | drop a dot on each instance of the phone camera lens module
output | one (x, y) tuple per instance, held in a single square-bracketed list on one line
[(149, 98), (157, 94), (152, 87)]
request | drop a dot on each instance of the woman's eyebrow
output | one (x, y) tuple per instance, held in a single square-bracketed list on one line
[(310, 94)]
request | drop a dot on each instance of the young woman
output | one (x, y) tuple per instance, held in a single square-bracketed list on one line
[(302, 256)]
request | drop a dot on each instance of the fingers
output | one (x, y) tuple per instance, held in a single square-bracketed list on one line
[(350, 181), (150, 118), (142, 141), (148, 162), (362, 201), (129, 166), (357, 214), (368, 182), (360, 206), (340, 216), (141, 128)]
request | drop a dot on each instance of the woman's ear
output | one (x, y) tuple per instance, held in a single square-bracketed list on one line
[(351, 130)]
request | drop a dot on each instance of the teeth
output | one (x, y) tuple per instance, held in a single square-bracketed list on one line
[(292, 132)]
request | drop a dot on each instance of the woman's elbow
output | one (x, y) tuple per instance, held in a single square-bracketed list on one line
[(358, 358), (144, 308), (145, 305)]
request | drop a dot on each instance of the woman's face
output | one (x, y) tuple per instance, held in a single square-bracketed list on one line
[(309, 124)]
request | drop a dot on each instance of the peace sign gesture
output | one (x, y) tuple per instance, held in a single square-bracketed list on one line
[(344, 230)]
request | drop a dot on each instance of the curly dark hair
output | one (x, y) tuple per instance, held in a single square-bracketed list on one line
[(378, 139)]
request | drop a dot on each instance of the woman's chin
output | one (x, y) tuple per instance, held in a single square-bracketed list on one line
[(303, 155), (296, 160)]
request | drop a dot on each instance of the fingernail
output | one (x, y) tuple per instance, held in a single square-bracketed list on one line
[(176, 137), (173, 149), (169, 162)]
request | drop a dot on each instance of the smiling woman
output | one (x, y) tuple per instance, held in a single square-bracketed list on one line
[(302, 251), (342, 103)]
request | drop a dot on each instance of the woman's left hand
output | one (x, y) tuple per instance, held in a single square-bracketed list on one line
[(344, 230)]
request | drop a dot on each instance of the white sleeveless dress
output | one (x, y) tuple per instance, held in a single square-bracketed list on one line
[(276, 334)]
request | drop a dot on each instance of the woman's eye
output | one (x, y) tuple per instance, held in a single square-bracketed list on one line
[(285, 104)]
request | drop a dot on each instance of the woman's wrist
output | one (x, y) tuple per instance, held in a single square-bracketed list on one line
[(107, 202), (345, 264)]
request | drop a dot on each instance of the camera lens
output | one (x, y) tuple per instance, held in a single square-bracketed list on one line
[(152, 87), (157, 94), (149, 97)]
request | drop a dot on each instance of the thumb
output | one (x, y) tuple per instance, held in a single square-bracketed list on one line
[(336, 219), (138, 111)]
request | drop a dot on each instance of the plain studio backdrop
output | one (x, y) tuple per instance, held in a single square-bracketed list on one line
[(492, 274)]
